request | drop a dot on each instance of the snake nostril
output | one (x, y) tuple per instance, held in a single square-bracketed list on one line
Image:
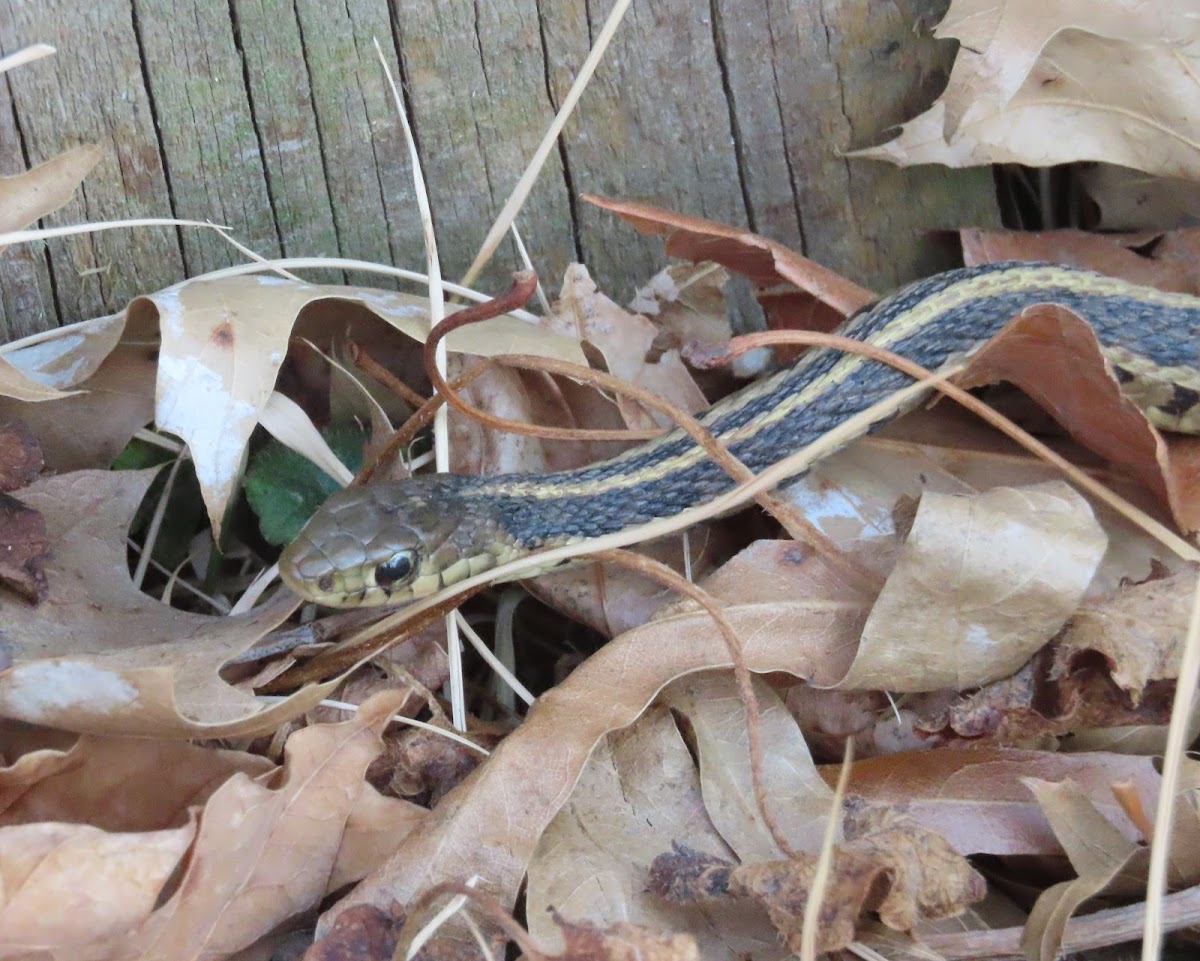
[(325, 583)]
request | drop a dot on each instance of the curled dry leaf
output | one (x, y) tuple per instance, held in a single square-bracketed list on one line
[(1168, 261), (1040, 84), (29, 196), (982, 582), (1128, 199), (639, 793), (888, 864), (1054, 357), (1102, 855), (978, 800), (625, 341), (98, 655), (101, 372), (223, 342), (826, 296), (864, 497), (1140, 631)]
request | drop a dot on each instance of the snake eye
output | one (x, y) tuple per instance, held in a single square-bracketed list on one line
[(397, 569)]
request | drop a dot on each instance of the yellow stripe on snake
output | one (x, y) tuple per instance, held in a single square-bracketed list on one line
[(390, 543)]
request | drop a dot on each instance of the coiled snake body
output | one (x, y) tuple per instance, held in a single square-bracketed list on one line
[(390, 543)]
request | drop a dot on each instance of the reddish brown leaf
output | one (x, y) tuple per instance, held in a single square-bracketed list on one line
[(823, 297), (20, 457), (1170, 261), (24, 549), (1053, 355)]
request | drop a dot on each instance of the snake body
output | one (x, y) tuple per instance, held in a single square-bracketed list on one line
[(390, 543)]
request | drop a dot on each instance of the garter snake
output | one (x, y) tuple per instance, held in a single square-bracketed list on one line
[(390, 543)]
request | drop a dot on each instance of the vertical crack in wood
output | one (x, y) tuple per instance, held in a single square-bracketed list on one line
[(777, 96), (719, 51), (239, 47), (316, 114), (561, 144)]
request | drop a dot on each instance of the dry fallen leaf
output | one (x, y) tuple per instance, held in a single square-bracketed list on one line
[(1101, 855), (98, 655), (1041, 84), (639, 792), (624, 340), (888, 864), (1133, 200), (1166, 260), (1054, 357), (29, 196), (798, 798), (825, 295), (1140, 631), (981, 583)]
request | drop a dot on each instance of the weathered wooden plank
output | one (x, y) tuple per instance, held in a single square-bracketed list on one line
[(273, 54), (202, 107), (817, 79), (273, 117), (90, 92), (363, 150), (476, 81), (26, 295), (654, 124)]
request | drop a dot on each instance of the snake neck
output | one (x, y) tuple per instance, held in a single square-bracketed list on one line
[(934, 323)]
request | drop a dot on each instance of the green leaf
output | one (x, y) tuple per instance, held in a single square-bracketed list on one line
[(285, 488)]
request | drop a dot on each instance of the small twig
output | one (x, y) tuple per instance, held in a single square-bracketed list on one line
[(1098, 930), (375, 370)]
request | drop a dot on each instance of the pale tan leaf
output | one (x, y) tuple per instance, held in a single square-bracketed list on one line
[(862, 497), (638, 794), (798, 797), (981, 584), (64, 887), (624, 339), (223, 342), (1042, 84), (1132, 200), (264, 854), (31, 195), (375, 827), (100, 656), (117, 783), (1098, 852)]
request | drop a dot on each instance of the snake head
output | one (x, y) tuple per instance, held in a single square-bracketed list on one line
[(389, 544)]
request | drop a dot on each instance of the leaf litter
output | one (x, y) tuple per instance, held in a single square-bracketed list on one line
[(635, 776)]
